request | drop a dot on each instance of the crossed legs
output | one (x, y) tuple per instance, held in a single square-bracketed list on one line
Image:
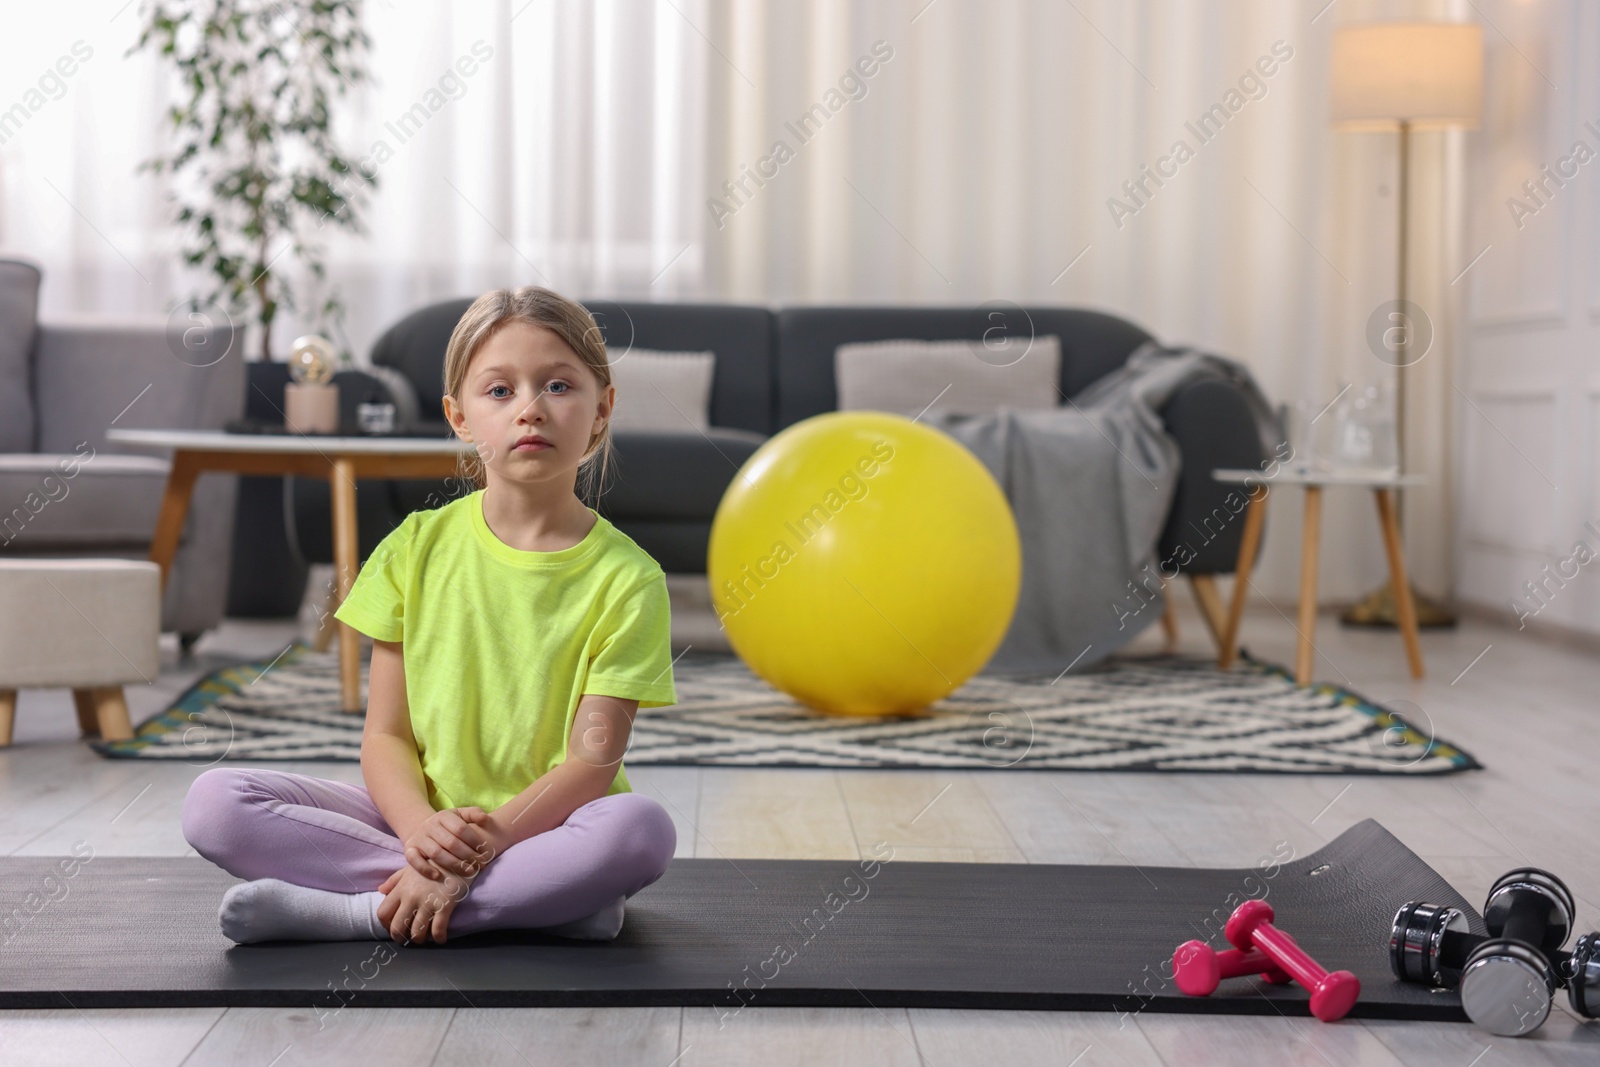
[(322, 834)]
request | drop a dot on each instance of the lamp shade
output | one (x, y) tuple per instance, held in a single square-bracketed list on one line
[(1429, 74)]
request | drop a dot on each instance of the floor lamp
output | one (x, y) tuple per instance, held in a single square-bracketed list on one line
[(1405, 76)]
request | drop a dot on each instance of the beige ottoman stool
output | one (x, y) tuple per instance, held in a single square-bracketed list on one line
[(89, 625)]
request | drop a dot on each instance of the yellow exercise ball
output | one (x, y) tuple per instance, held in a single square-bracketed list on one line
[(865, 564)]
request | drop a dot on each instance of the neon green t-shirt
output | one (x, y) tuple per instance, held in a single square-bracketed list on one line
[(500, 643)]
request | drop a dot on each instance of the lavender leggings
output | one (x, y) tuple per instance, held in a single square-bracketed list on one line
[(258, 823)]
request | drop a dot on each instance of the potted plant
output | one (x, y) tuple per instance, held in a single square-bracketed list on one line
[(255, 169)]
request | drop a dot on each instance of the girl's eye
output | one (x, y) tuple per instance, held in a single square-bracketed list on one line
[(492, 388), (564, 386)]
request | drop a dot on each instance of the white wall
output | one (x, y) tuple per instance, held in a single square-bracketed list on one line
[(1529, 379)]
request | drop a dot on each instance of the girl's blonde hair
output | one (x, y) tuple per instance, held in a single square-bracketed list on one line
[(536, 306)]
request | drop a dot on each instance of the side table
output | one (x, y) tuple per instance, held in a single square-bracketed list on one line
[(1383, 489), (341, 460)]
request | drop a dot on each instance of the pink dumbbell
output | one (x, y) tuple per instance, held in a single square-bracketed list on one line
[(1332, 994), (1199, 969)]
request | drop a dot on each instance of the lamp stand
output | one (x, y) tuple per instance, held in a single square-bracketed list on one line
[(1377, 608)]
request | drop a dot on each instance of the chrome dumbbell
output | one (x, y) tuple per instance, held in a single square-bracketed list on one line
[(1509, 978)]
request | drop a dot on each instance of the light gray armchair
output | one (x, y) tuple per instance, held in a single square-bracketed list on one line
[(67, 491)]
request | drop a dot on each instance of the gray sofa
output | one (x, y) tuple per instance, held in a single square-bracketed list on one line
[(67, 491), (774, 367)]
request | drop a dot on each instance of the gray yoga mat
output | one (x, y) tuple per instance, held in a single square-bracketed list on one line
[(725, 934)]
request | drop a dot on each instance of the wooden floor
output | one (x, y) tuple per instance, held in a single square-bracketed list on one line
[(1527, 708)]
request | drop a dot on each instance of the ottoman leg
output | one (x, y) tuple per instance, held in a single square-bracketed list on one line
[(112, 711), (8, 713), (88, 719)]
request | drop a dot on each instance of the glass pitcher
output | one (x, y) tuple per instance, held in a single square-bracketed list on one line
[(1364, 433)]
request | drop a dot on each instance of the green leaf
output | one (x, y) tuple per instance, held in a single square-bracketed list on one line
[(256, 123)]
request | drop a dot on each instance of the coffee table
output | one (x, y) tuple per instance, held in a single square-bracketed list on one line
[(341, 460), (1383, 488)]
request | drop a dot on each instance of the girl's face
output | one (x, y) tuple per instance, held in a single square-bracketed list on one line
[(526, 382)]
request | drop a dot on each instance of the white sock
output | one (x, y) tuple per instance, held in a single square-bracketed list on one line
[(603, 925), (272, 910)]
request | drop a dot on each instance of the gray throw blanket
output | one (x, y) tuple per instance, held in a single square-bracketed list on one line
[(1091, 484)]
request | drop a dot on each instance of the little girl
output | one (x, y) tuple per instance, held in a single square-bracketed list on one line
[(515, 633)]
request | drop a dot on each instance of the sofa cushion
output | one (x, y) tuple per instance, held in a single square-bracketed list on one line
[(1092, 343), (668, 392), (19, 320), (678, 545), (415, 346), (964, 377), (674, 475), (85, 499), (741, 389), (91, 376), (651, 475)]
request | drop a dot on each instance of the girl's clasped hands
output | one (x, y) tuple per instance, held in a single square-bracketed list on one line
[(443, 855)]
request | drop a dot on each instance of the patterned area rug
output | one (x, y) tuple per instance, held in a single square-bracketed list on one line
[(1162, 713)]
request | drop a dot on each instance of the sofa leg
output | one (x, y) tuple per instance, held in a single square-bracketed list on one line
[(112, 711), (88, 717), (8, 715), (1169, 622), (329, 626), (186, 643), (1210, 601)]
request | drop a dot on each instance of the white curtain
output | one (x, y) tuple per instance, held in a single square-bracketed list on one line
[(740, 150), (568, 157)]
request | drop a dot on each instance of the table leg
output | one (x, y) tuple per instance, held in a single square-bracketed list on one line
[(1403, 605), (174, 509), (1310, 542), (346, 550), (1253, 518)]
